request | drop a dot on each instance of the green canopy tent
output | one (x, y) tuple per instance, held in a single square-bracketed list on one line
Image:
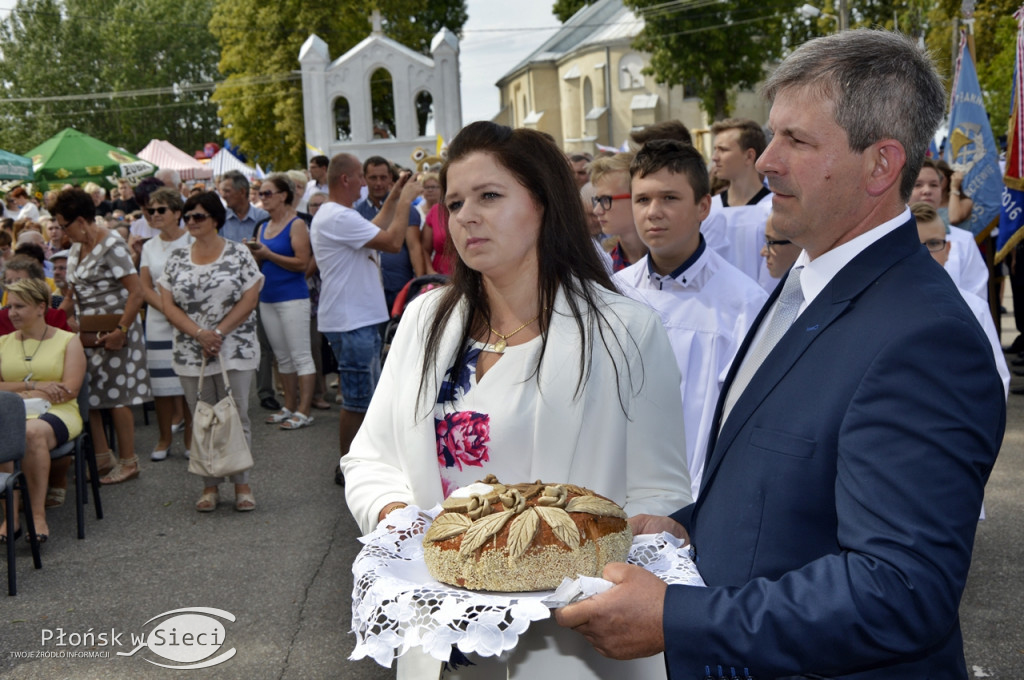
[(71, 157), (13, 166)]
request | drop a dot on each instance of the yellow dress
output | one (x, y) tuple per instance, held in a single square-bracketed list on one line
[(47, 365)]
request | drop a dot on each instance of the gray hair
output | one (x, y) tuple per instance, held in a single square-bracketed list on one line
[(237, 179), (881, 85), (169, 176)]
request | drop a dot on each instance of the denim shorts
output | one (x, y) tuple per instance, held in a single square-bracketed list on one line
[(358, 356)]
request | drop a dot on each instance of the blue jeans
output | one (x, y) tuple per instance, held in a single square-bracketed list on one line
[(358, 355)]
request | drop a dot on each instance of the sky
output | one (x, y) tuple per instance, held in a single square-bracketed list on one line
[(490, 48), (496, 37)]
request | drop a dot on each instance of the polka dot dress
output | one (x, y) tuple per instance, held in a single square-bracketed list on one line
[(116, 378)]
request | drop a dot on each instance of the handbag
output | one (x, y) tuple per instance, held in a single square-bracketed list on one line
[(93, 327), (219, 447)]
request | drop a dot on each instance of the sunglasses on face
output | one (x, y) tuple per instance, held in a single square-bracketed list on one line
[(195, 217), (157, 211), (267, 194)]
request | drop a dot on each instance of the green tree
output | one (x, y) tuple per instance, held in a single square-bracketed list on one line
[(260, 100), (713, 48), (564, 9), (78, 49)]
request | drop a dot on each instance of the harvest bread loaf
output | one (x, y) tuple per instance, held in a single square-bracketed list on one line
[(520, 537)]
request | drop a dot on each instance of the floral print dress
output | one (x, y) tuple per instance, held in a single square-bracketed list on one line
[(486, 426), (206, 293)]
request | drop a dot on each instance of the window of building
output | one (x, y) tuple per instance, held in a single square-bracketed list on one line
[(342, 120), (425, 114), (382, 96)]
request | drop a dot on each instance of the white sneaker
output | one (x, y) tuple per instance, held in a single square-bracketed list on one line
[(158, 454), (186, 454)]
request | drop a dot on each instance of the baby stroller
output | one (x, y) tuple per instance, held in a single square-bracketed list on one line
[(409, 292)]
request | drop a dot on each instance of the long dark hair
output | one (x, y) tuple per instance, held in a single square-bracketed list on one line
[(566, 256)]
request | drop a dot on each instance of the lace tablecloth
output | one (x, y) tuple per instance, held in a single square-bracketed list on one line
[(397, 605)]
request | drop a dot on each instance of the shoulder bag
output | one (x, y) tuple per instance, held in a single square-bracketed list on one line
[(219, 447)]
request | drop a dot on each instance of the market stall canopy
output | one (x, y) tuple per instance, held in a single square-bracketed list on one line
[(13, 166), (224, 160), (71, 157), (163, 154)]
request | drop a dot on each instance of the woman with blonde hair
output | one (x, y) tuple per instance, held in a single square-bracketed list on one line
[(435, 227), (43, 363)]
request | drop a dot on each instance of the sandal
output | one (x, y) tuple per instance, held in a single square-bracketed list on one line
[(279, 417), (121, 473), (244, 502), (297, 421), (208, 501), (55, 497), (105, 461)]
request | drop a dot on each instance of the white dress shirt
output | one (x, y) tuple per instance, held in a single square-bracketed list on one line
[(707, 306), (817, 274)]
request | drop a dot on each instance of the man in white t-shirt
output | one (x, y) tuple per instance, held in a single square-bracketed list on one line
[(345, 246)]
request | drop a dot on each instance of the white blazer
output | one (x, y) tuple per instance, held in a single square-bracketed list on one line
[(637, 457)]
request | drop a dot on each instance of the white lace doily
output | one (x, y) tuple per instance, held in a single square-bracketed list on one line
[(397, 605)]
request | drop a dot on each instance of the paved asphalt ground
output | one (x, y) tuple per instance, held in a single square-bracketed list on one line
[(284, 572)]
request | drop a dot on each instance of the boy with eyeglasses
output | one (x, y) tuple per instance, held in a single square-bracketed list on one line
[(611, 206), (779, 254), (706, 304), (934, 236)]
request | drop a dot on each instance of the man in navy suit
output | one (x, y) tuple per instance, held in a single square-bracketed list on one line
[(836, 518)]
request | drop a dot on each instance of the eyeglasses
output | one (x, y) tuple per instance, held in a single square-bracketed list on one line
[(770, 243), (935, 245), (195, 217), (157, 211), (267, 194), (606, 201)]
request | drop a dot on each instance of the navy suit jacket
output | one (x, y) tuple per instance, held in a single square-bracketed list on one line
[(839, 504)]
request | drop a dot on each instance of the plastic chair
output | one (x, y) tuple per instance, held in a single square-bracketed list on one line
[(82, 449), (12, 450)]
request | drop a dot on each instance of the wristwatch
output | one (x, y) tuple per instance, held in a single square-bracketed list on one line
[(123, 329), (219, 334)]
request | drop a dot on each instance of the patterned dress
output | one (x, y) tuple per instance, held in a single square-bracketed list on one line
[(207, 292), (116, 378), (159, 332)]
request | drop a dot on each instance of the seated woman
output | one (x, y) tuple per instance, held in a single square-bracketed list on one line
[(39, 361), (528, 366)]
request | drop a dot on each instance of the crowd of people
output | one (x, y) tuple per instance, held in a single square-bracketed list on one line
[(624, 322)]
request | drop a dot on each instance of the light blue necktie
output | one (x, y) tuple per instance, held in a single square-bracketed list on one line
[(786, 308)]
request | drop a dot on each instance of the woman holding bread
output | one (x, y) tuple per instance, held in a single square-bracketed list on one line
[(528, 366)]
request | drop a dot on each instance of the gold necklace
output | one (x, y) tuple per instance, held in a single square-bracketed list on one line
[(500, 345)]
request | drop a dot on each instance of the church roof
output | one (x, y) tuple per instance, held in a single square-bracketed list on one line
[(601, 23)]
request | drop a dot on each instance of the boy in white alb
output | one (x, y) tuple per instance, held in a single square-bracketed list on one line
[(735, 227), (706, 304)]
